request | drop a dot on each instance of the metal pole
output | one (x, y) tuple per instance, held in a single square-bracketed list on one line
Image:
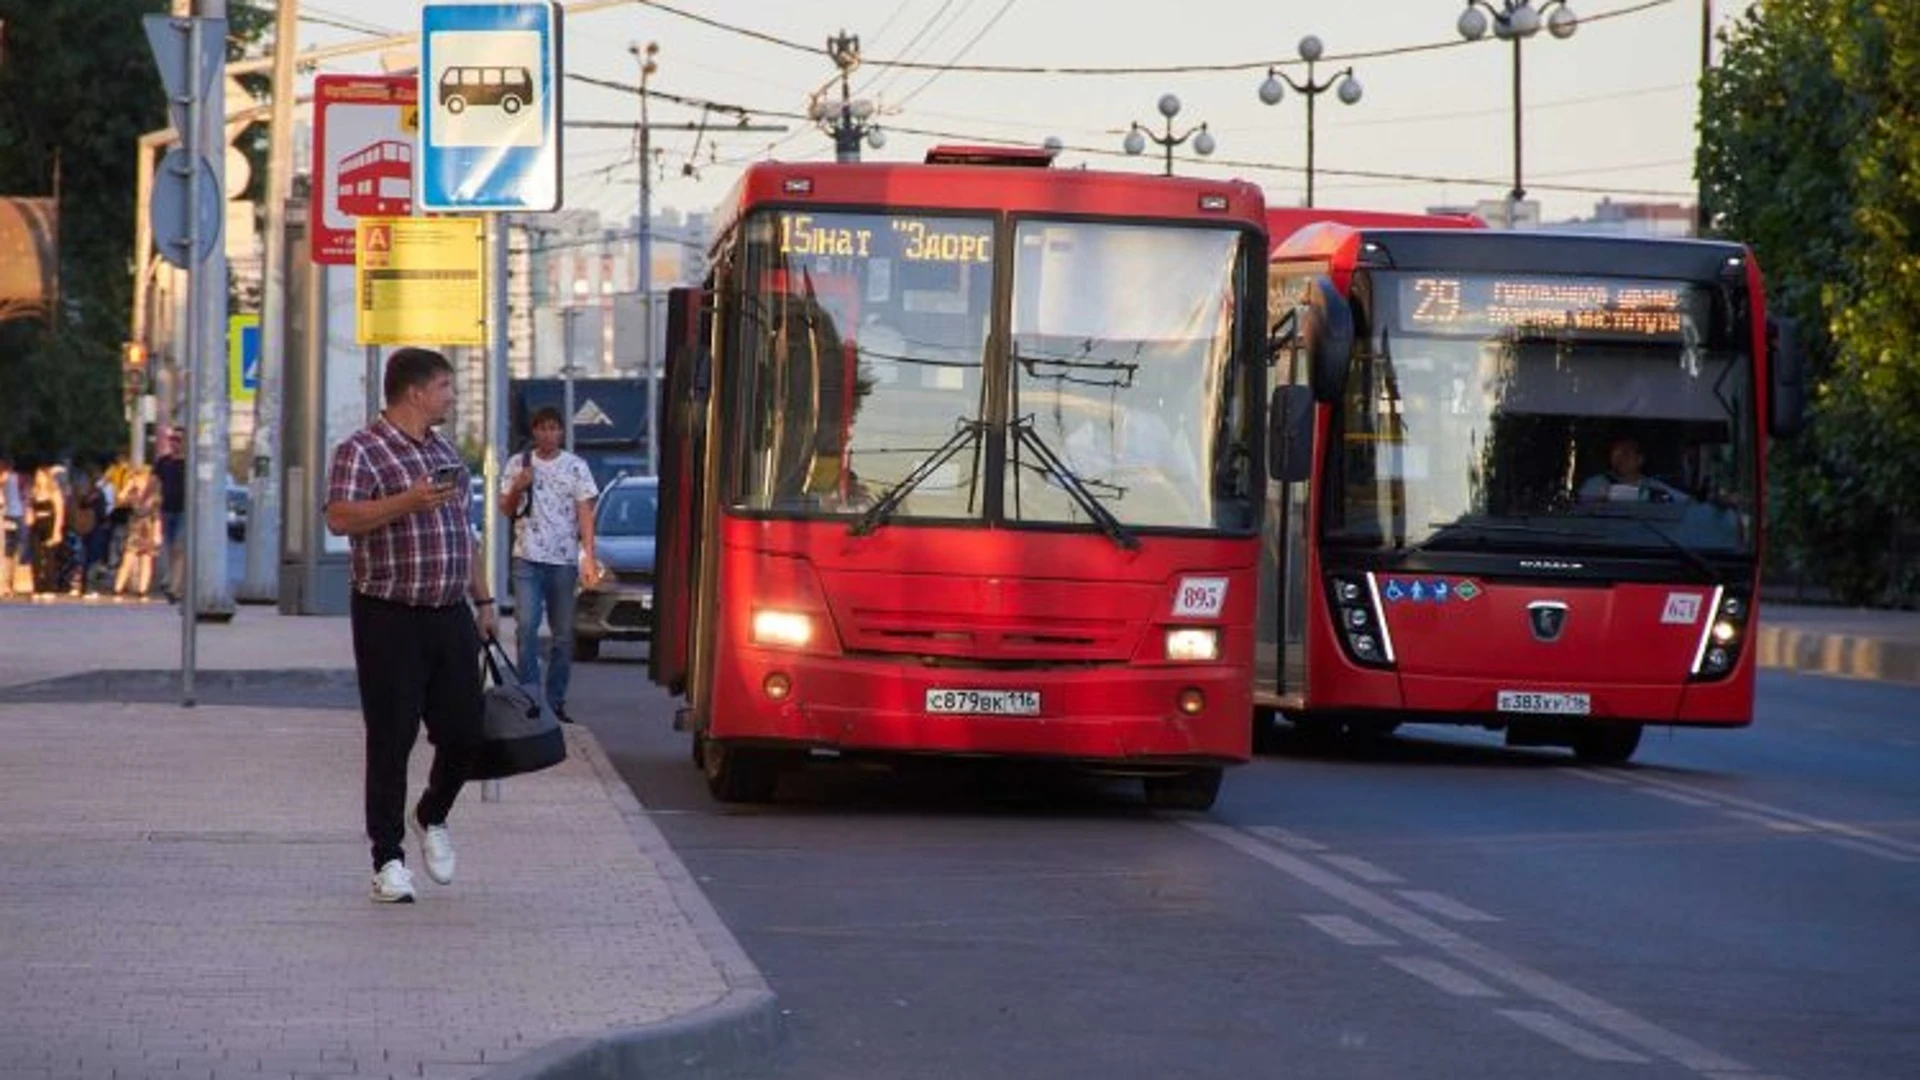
[(261, 582), (376, 399), (1519, 192), (207, 484), (647, 364), (568, 317), (191, 139), (494, 548), (1311, 94), (1703, 219)]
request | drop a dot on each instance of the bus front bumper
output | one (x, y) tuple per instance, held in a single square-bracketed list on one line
[(1111, 715)]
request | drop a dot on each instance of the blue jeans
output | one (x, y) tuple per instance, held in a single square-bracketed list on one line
[(545, 588)]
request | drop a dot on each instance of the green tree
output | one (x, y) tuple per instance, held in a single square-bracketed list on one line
[(78, 87), (1810, 152)]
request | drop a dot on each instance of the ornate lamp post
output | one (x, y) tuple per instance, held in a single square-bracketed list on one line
[(851, 120), (1137, 136), (1516, 21), (1344, 85)]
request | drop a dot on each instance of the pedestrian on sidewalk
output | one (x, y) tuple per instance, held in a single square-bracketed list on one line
[(170, 470), (13, 522), (141, 496), (551, 493), (398, 490)]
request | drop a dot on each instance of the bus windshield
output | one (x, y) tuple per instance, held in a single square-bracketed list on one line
[(1545, 414), (1123, 339), (861, 342)]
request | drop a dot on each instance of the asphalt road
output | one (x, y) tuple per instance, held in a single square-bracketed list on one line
[(1736, 905)]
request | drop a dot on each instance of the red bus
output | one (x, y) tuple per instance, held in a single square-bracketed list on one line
[(377, 181), (962, 458), (1515, 480)]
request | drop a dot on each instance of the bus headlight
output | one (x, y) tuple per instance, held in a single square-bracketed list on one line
[(1725, 634), (1357, 619), (1193, 644), (788, 628)]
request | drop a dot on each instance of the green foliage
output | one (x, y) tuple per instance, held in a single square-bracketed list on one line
[(1810, 152), (78, 88)]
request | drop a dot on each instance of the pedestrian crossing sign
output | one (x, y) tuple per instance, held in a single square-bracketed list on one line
[(243, 357)]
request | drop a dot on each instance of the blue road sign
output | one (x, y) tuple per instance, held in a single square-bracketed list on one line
[(489, 107)]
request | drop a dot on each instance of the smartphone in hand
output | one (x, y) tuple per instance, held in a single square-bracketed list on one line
[(447, 475)]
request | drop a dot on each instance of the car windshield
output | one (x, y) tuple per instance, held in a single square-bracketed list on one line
[(1123, 341), (1545, 413), (628, 510), (862, 341)]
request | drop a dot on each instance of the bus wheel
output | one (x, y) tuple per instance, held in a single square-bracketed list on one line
[(510, 104), (738, 774), (1192, 790), (456, 105), (1606, 744)]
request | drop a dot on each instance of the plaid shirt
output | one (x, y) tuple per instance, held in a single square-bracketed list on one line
[(421, 560)]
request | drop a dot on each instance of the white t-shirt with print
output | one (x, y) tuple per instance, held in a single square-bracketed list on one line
[(550, 532)]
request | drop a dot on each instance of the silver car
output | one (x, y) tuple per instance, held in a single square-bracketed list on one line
[(619, 607)]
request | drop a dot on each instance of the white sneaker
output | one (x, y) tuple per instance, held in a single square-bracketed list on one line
[(393, 884), (436, 845)]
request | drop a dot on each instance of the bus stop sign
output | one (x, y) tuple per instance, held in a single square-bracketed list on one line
[(490, 107)]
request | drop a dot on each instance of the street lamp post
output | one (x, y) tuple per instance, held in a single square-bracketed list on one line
[(1138, 136), (567, 369), (1516, 21), (851, 120), (1345, 86)]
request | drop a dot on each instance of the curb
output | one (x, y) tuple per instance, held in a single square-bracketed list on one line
[(1842, 655), (745, 1021), (211, 686)]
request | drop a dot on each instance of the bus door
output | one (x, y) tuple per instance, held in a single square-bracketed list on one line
[(1300, 300), (680, 537)]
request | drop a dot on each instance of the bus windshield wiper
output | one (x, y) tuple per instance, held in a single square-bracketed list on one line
[(1449, 530), (1076, 487), (882, 510)]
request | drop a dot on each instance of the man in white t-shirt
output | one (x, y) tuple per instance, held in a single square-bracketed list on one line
[(549, 494)]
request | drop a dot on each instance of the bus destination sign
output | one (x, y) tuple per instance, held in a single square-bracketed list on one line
[(1498, 304), (910, 239)]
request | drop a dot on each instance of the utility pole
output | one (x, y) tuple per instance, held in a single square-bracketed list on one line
[(262, 579), (211, 598), (644, 268)]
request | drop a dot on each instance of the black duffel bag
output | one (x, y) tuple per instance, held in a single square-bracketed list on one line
[(520, 734)]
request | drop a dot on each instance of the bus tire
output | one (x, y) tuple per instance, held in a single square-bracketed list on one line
[(1195, 789), (1606, 744), (737, 774), (456, 105), (510, 104)]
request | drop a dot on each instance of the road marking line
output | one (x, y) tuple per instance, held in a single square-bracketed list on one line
[(1346, 931), (1865, 848), (1597, 777), (1364, 870), (1578, 1003), (1772, 823), (1675, 796), (1292, 841), (1443, 977), (1446, 906), (1585, 1043), (1818, 823)]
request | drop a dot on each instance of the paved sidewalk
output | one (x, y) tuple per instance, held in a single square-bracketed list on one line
[(183, 892), (1855, 643)]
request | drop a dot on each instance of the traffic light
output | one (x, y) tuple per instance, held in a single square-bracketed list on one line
[(133, 356)]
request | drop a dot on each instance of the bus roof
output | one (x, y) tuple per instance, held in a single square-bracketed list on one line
[(1503, 251), (990, 188), (1285, 222)]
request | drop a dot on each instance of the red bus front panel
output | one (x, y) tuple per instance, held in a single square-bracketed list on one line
[(1067, 632)]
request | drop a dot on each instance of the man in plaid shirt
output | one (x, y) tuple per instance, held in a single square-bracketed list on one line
[(398, 490)]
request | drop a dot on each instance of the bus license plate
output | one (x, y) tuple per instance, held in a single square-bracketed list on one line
[(984, 702), (1529, 701)]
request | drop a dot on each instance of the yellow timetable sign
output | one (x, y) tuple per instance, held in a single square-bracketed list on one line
[(418, 281)]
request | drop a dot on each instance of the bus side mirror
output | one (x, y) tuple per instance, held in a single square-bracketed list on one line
[(1290, 434), (1327, 333), (1786, 380)]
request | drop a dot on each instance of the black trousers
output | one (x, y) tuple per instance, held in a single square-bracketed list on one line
[(415, 664)]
